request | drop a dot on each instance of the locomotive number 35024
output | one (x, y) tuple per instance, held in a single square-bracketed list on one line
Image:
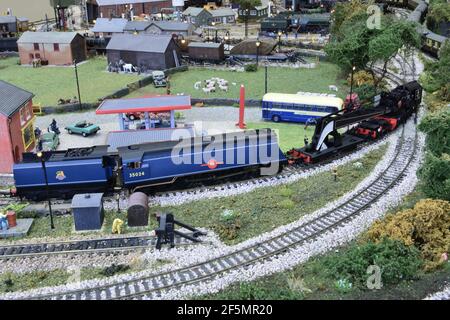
[(137, 174)]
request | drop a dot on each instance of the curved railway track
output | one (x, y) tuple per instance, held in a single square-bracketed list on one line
[(152, 286)]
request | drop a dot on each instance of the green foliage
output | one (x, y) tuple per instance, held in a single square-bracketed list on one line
[(365, 91), (228, 225), (179, 115), (343, 285), (354, 44), (286, 204), (437, 127), (436, 78), (439, 11), (255, 291), (247, 4), (397, 262), (426, 227), (435, 176), (435, 171), (250, 67), (344, 12)]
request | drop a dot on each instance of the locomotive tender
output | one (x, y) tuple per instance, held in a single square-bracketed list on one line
[(145, 167)]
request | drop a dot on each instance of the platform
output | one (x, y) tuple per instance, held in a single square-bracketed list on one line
[(21, 230)]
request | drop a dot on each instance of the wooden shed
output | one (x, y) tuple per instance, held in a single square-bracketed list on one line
[(206, 51), (57, 48), (153, 52)]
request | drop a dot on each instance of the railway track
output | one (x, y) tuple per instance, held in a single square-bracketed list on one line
[(102, 245), (153, 286)]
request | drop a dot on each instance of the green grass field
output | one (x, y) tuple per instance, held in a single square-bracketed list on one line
[(49, 84), (282, 80), (290, 135)]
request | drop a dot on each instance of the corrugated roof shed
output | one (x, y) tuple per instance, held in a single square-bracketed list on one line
[(8, 19), (140, 42), (222, 12), (12, 98), (137, 25), (109, 25), (47, 37)]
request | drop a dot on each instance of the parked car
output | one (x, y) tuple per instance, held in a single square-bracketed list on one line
[(159, 79), (84, 128), (48, 142)]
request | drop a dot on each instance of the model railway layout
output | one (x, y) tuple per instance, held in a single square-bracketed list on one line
[(146, 167)]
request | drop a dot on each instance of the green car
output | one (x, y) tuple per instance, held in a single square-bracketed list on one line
[(84, 128), (49, 141)]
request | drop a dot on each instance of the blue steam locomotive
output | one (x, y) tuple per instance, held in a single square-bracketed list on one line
[(146, 167)]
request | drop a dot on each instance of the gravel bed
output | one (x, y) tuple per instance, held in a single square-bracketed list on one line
[(192, 255), (441, 295)]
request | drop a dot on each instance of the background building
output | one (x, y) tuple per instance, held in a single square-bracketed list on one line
[(153, 52), (57, 48), (16, 125)]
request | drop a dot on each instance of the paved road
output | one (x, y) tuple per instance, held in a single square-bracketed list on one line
[(209, 119)]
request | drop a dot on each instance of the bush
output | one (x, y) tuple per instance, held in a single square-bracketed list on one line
[(286, 204), (426, 226), (397, 262), (435, 176), (228, 225), (437, 127), (114, 269), (259, 291), (250, 67)]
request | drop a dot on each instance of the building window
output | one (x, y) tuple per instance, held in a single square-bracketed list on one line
[(253, 12), (28, 136), (56, 47), (38, 56), (36, 46), (31, 56)]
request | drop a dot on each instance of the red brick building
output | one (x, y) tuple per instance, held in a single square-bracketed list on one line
[(57, 48), (16, 125), (117, 8)]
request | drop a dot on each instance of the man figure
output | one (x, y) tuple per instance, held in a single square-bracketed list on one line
[(3, 222)]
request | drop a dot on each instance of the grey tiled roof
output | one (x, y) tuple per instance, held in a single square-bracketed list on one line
[(193, 11), (47, 37), (137, 25), (173, 25), (222, 12), (8, 19), (140, 42), (109, 25), (12, 98)]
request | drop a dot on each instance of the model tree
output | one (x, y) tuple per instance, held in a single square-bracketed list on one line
[(353, 43), (246, 6)]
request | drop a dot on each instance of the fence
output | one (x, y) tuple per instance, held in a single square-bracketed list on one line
[(115, 95)]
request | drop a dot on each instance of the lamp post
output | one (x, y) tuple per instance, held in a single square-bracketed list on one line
[(279, 39), (265, 77), (40, 155), (258, 43), (215, 30), (78, 83), (351, 85)]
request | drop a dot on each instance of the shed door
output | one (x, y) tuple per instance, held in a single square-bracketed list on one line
[(175, 57)]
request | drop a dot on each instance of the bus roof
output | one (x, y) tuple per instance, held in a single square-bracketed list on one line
[(304, 99)]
